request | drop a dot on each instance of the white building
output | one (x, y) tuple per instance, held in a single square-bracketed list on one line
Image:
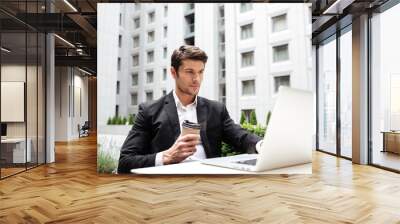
[(252, 49)]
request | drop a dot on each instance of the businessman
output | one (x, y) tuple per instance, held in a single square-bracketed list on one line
[(155, 139)]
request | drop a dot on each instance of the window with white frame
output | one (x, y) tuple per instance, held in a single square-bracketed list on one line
[(135, 79), (247, 59), (119, 64), (149, 76), (282, 80), (246, 31), (279, 23), (134, 99), (248, 87), (165, 31), (149, 96), (136, 21), (150, 56), (166, 11), (150, 36), (165, 52), (151, 17), (135, 60), (280, 53), (136, 41), (164, 74)]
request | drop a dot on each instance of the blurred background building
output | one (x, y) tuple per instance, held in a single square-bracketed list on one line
[(252, 51)]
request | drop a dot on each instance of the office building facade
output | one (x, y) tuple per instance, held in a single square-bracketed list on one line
[(251, 52)]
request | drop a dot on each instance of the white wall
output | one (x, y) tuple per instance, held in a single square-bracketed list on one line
[(107, 54), (68, 82)]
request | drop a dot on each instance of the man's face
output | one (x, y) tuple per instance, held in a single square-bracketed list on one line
[(189, 76)]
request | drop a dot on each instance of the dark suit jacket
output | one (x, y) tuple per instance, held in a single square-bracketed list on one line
[(157, 127)]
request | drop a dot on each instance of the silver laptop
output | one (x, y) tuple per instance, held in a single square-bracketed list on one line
[(288, 139)]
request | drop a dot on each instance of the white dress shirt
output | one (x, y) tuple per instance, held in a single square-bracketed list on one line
[(189, 113)]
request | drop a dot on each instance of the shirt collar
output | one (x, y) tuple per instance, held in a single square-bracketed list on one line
[(179, 104)]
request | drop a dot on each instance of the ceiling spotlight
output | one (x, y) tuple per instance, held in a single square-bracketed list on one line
[(84, 71), (5, 50), (70, 5), (64, 40)]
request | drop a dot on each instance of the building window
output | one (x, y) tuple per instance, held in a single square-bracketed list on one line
[(136, 41), (135, 60), (165, 52), (281, 53), (149, 76), (248, 59), (137, 22), (248, 88), (164, 92), (165, 11), (279, 23), (164, 74), (120, 19), (119, 40), (119, 64), (134, 99), (246, 31), (118, 87), (135, 79), (283, 80), (244, 7), (149, 96), (150, 36), (116, 110), (150, 56), (151, 17), (165, 31)]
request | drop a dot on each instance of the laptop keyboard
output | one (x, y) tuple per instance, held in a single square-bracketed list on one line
[(251, 162)]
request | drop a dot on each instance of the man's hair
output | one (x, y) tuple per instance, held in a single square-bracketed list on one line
[(187, 52)]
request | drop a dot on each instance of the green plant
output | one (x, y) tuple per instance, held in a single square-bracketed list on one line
[(131, 119), (109, 121), (124, 120), (228, 150), (114, 120), (268, 118), (119, 120), (253, 118), (242, 118), (106, 163)]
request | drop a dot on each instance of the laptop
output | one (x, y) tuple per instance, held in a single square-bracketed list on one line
[(288, 138)]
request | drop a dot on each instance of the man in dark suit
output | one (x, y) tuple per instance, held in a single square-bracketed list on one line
[(155, 138)]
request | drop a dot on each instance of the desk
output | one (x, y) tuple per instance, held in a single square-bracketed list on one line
[(197, 167), (15, 148), (391, 141)]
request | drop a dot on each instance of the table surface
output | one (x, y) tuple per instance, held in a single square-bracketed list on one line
[(196, 167)]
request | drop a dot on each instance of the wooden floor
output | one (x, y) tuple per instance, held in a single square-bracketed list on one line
[(70, 191)]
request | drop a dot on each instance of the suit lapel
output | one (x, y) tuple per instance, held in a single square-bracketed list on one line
[(202, 115), (172, 113)]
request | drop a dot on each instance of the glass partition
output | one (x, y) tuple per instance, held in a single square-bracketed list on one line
[(327, 95)]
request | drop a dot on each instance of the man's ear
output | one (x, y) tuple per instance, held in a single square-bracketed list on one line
[(174, 73)]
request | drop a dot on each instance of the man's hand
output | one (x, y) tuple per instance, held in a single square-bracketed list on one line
[(183, 147)]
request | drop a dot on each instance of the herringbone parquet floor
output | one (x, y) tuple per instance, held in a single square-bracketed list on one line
[(70, 191)]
